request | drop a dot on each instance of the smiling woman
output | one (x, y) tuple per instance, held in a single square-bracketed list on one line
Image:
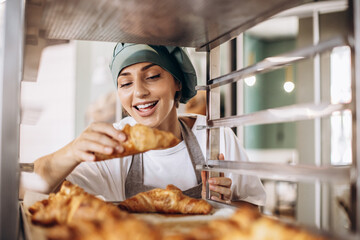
[(147, 92), (151, 81)]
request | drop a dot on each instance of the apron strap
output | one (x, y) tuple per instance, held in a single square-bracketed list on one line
[(134, 182), (193, 147)]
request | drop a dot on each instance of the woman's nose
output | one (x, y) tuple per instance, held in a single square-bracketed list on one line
[(140, 90)]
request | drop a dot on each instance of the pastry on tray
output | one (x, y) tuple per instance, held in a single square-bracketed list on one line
[(140, 139), (169, 200), (74, 214)]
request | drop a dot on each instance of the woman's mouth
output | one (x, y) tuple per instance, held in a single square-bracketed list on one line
[(146, 109)]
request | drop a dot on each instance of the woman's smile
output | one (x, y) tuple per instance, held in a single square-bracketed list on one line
[(147, 92), (146, 109)]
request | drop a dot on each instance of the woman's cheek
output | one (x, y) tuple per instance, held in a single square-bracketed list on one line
[(125, 98)]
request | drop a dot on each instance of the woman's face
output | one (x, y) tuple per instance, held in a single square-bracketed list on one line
[(147, 93)]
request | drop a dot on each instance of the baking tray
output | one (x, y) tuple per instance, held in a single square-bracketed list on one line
[(31, 231), (170, 223)]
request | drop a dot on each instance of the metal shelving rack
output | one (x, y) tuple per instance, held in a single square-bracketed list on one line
[(203, 24), (316, 173)]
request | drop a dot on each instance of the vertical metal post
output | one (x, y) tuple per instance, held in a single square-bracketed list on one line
[(208, 195), (317, 121), (212, 109), (356, 132), (227, 66), (240, 85), (233, 86), (11, 73)]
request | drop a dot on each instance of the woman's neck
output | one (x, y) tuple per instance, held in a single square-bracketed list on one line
[(171, 124)]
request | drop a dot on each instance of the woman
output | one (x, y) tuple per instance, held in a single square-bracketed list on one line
[(151, 81)]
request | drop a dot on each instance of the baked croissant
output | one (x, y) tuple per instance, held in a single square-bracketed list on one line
[(70, 204), (169, 200), (74, 214), (140, 139), (248, 224)]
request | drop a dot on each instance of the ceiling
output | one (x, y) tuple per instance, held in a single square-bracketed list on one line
[(286, 23)]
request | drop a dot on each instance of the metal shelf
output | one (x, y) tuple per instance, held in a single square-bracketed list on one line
[(289, 113), (26, 167), (203, 24), (302, 173), (276, 62)]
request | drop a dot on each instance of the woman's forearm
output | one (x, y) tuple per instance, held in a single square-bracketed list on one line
[(54, 168), (97, 138)]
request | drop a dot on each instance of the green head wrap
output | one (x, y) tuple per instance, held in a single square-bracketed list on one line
[(172, 59)]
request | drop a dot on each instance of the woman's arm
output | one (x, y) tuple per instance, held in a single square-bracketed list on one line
[(98, 137), (54, 168)]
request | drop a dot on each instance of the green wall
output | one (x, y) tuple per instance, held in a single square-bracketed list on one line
[(268, 92)]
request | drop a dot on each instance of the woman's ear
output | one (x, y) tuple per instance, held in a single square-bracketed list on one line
[(178, 86)]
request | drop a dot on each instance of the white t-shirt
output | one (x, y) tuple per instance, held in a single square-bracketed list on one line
[(168, 166)]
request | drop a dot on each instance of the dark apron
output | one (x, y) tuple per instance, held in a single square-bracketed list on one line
[(134, 183)]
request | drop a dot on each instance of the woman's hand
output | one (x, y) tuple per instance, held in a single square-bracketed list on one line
[(221, 185), (98, 137)]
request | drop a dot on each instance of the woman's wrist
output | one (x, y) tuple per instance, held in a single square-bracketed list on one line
[(67, 156)]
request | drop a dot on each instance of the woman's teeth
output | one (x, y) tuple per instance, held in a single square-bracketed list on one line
[(143, 106)]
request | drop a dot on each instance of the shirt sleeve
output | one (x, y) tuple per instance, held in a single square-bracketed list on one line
[(244, 187)]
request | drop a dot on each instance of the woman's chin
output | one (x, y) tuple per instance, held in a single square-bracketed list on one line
[(147, 121)]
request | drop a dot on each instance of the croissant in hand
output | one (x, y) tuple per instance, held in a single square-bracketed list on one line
[(140, 139), (169, 200)]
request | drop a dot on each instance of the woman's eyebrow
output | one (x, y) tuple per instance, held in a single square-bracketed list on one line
[(124, 74), (142, 69), (147, 66)]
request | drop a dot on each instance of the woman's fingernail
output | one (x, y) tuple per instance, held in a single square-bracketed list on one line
[(122, 137), (119, 149), (108, 149)]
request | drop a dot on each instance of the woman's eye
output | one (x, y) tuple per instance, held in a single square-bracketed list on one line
[(124, 85), (154, 77)]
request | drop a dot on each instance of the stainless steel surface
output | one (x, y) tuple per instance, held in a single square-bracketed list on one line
[(356, 122), (282, 114), (240, 86), (278, 61), (11, 66), (213, 111), (189, 23), (302, 173), (220, 205), (207, 194), (26, 227), (26, 167), (35, 41), (317, 121)]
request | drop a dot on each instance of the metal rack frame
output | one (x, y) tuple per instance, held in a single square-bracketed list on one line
[(201, 28), (302, 173), (356, 128), (10, 117)]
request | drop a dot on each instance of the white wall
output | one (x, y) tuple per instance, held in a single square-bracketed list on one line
[(93, 78), (48, 104)]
